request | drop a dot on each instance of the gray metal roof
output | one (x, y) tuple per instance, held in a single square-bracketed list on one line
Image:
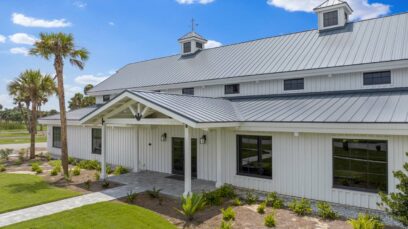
[(73, 115), (192, 34), (330, 3), (369, 41)]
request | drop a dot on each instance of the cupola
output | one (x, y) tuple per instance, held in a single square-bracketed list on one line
[(192, 42), (333, 14)]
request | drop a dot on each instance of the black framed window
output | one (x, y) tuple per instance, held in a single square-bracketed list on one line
[(187, 91), (106, 98), (199, 45), (330, 18), (187, 47), (360, 164), (375, 78), (56, 137), (294, 84), (254, 156), (96, 141), (231, 89)]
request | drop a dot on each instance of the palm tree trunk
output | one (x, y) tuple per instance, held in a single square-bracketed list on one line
[(58, 65), (33, 129)]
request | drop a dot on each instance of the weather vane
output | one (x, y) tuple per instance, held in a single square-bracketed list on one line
[(193, 25)]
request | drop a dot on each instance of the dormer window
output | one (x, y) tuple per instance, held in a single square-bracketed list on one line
[(199, 45), (187, 47), (330, 18), (192, 42)]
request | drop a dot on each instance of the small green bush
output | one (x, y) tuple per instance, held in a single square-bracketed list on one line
[(228, 214), (105, 184), (251, 198), (88, 184), (89, 165), (236, 202), (261, 208), (71, 160), (55, 163), (302, 207), (76, 171), (2, 168), (272, 200), (227, 191), (48, 156), (212, 198), (270, 221), (18, 162), (154, 193), (54, 171), (22, 153), (131, 196), (120, 170), (38, 170), (5, 153), (97, 176), (191, 204), (226, 225), (325, 211), (366, 221), (109, 169), (35, 166)]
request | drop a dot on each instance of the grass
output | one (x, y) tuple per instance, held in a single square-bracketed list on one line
[(20, 140), (100, 215), (21, 191), (18, 136)]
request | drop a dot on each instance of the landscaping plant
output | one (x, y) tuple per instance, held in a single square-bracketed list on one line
[(228, 214), (212, 198), (366, 221), (2, 168), (272, 200), (236, 202), (261, 208), (97, 176), (89, 165), (226, 225), (5, 153), (76, 171), (269, 220), (191, 204), (131, 196), (325, 211), (120, 170), (397, 203), (302, 207), (155, 194), (226, 191), (109, 169), (105, 184), (35, 166), (251, 198), (18, 162), (38, 170), (88, 184)]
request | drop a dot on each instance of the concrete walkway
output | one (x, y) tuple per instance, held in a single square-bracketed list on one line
[(25, 214)]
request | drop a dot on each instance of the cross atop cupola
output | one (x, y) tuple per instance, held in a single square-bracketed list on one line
[(333, 14), (192, 41)]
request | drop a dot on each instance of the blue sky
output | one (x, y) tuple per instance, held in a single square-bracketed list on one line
[(119, 32)]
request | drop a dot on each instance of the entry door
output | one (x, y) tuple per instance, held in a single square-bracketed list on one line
[(178, 156)]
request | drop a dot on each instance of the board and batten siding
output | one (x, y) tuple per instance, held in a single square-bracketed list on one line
[(302, 167)]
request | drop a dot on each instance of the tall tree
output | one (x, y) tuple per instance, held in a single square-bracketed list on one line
[(76, 101), (60, 47), (31, 87)]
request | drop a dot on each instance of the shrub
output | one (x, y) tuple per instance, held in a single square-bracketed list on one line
[(228, 214), (191, 204), (97, 176), (154, 193), (272, 200), (212, 198), (325, 211), (76, 171), (120, 170), (71, 160), (48, 156), (236, 202), (38, 170), (226, 191), (22, 153), (54, 172), (89, 165), (269, 220), (366, 221), (301, 207), (35, 166), (5, 153), (109, 169), (226, 225), (131, 196), (251, 198), (88, 184), (397, 202), (261, 208), (18, 162), (2, 168), (55, 163), (105, 184)]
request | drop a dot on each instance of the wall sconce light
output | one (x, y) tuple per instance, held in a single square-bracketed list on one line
[(203, 139), (163, 137)]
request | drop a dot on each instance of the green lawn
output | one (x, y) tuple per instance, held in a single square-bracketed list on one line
[(101, 215), (21, 191), (19, 140)]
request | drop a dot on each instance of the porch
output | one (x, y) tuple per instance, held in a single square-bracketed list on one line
[(170, 184)]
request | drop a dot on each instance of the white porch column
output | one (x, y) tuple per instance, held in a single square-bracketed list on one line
[(219, 182), (187, 160), (103, 151)]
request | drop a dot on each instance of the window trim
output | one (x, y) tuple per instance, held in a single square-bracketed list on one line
[(232, 85), (363, 190), (187, 45), (238, 173), (296, 89), (365, 74), (92, 141), (186, 89), (327, 13), (53, 137)]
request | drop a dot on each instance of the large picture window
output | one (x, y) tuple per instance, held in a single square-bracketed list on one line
[(360, 164), (96, 141), (56, 137), (255, 156)]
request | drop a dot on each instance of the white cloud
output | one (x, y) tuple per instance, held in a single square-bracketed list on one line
[(80, 4), (188, 2), (2, 39), (362, 8), (212, 44), (111, 23), (89, 79), (6, 100), (19, 50), (22, 38), (21, 19)]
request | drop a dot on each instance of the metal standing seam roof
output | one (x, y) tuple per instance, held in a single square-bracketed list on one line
[(73, 115), (330, 3), (363, 42)]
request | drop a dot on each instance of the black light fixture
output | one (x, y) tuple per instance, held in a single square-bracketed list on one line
[(203, 139), (163, 137)]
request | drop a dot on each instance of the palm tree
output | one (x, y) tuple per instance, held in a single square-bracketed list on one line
[(60, 46), (76, 101), (31, 87)]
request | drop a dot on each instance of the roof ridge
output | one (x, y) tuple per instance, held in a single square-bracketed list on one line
[(181, 95)]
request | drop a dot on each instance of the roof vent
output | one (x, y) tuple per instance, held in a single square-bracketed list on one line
[(192, 41), (333, 14)]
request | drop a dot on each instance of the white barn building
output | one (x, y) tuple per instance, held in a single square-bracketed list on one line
[(321, 114)]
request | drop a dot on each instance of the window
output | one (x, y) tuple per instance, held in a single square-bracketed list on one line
[(199, 45), (360, 164), (254, 156), (188, 91), (231, 89), (106, 98), (96, 141), (187, 47), (375, 78), (56, 137), (330, 18), (293, 84)]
